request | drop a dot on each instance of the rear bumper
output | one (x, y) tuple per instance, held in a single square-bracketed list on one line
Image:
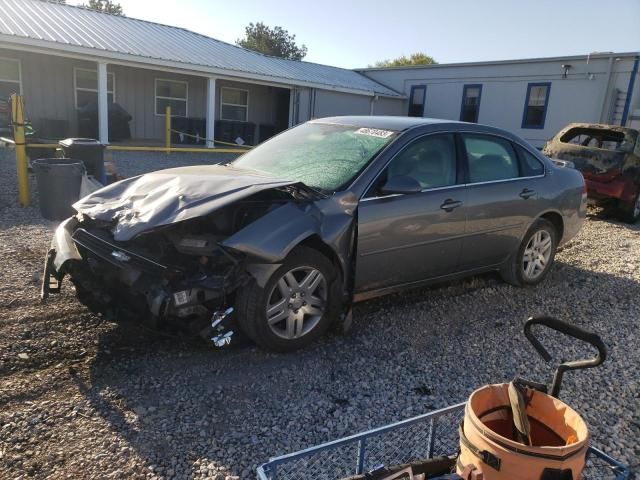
[(621, 188)]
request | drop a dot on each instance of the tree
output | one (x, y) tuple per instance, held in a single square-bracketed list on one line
[(106, 6), (275, 41), (417, 58)]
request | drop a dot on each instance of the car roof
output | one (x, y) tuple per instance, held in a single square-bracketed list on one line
[(383, 122), (600, 126)]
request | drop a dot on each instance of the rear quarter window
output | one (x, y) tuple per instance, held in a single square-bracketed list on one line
[(530, 164)]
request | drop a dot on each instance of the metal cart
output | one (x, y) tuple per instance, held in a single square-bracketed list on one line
[(426, 436), (430, 435)]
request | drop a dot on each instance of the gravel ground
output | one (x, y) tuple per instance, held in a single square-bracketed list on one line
[(80, 397)]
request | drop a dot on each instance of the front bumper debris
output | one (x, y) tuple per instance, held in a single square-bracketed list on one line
[(62, 249)]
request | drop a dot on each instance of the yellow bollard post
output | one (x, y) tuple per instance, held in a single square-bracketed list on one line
[(167, 129), (17, 119)]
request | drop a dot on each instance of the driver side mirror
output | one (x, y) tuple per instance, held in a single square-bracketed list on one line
[(401, 184)]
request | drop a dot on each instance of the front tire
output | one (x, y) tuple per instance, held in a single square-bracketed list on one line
[(296, 305), (532, 261)]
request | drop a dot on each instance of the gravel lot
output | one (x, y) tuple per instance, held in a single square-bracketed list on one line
[(80, 397)]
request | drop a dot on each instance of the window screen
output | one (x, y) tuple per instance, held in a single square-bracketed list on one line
[(490, 158), (234, 104), (174, 94), (416, 100), (535, 108), (470, 103), (86, 86), (430, 160)]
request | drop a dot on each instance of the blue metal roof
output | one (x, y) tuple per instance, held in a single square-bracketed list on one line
[(65, 27)]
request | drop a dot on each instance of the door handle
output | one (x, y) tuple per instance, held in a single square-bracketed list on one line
[(449, 205), (527, 193)]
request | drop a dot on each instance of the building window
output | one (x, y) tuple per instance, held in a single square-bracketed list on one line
[(535, 105), (470, 103), (86, 87), (10, 77), (174, 94), (416, 100), (234, 104)]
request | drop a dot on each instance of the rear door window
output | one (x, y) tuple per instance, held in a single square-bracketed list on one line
[(490, 158)]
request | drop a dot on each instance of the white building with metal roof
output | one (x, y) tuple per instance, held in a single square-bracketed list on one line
[(72, 64)]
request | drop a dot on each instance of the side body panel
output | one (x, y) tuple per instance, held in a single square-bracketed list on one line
[(497, 218), (407, 238)]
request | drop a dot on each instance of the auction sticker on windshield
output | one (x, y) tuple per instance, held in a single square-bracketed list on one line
[(374, 132)]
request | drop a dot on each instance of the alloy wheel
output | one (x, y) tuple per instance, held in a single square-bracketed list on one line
[(297, 302), (537, 254)]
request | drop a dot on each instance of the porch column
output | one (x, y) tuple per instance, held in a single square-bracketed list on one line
[(211, 110), (103, 104)]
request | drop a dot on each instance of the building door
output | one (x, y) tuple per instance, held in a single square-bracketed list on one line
[(281, 111)]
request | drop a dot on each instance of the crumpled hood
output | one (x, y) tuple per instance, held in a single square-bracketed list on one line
[(164, 197)]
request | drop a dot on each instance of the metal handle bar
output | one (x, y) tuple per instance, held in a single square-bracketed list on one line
[(572, 331)]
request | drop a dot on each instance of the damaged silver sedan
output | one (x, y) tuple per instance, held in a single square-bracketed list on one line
[(280, 242)]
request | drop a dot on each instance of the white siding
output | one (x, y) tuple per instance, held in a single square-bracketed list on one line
[(584, 96)]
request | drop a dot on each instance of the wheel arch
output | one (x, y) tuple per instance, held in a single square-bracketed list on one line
[(314, 241), (555, 218)]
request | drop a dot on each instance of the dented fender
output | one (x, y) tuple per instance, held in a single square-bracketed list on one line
[(268, 240)]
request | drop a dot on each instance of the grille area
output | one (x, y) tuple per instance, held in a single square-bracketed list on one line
[(114, 254)]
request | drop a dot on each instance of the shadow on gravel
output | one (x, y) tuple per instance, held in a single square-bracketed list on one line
[(188, 410)]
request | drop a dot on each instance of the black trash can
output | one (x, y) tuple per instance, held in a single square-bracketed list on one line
[(90, 151), (180, 124), (59, 181), (198, 127)]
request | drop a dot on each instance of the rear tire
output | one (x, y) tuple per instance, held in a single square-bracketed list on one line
[(531, 263), (296, 305), (630, 212)]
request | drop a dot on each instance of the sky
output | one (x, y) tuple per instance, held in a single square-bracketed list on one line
[(357, 33)]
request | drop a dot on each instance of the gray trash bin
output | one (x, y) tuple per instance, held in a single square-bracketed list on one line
[(90, 151), (59, 181)]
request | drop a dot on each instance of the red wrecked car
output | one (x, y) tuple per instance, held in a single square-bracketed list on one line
[(609, 158)]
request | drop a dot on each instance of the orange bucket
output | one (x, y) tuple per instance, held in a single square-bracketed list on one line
[(559, 437)]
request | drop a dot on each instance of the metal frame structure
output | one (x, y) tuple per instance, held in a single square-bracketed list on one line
[(284, 467)]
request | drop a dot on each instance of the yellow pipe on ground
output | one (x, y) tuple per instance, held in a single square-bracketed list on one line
[(17, 118)]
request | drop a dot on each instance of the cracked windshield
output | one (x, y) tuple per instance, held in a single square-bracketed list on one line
[(322, 156)]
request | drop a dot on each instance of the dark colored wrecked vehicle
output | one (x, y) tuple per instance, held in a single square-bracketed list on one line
[(609, 158), (280, 242)]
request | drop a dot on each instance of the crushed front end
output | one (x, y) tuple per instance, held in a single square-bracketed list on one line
[(178, 276), (173, 248)]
